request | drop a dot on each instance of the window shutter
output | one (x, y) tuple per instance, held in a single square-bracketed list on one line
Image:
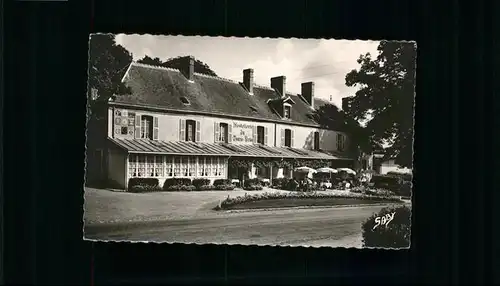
[(229, 133), (155, 128), (254, 134), (291, 138), (282, 137), (182, 130), (265, 136), (137, 126), (198, 131), (216, 131)]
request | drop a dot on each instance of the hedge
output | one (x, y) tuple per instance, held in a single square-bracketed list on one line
[(143, 185), (176, 182), (395, 234), (294, 195)]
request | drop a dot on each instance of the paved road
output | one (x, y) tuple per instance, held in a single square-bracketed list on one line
[(311, 227)]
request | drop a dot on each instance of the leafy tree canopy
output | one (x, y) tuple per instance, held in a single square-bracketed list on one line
[(108, 62), (176, 63), (386, 95)]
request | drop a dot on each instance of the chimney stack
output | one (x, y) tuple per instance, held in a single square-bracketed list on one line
[(187, 68), (279, 83), (308, 92), (248, 80)]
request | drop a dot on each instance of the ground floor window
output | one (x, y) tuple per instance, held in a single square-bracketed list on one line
[(176, 166)]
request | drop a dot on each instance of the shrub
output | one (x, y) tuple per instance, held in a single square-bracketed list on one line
[(176, 182), (225, 187), (406, 189), (152, 182), (378, 192), (395, 234), (180, 188), (205, 188), (253, 188), (144, 189), (292, 185), (222, 182), (198, 183), (280, 183), (277, 195), (253, 182), (404, 176), (392, 183)]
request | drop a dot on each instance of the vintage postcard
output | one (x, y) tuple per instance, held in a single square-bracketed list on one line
[(250, 141)]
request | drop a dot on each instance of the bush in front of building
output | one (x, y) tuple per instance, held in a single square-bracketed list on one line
[(178, 185), (388, 182), (219, 182), (406, 189), (253, 185), (201, 183), (143, 185), (394, 234), (280, 183), (404, 176)]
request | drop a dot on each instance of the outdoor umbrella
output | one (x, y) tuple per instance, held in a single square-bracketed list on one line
[(347, 170), (326, 170), (305, 170)]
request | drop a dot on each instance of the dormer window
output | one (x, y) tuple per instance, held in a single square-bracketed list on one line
[(185, 101), (287, 110)]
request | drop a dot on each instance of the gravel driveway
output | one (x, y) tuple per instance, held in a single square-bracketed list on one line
[(106, 206)]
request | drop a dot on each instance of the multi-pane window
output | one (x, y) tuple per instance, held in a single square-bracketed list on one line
[(316, 140), (141, 168), (158, 166), (190, 130), (175, 166), (260, 134), (147, 127), (286, 111), (288, 138), (223, 132), (169, 165)]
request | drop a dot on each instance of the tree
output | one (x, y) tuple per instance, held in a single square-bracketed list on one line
[(387, 95), (331, 117), (176, 63), (108, 63)]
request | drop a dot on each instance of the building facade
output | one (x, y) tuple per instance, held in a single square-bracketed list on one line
[(177, 123)]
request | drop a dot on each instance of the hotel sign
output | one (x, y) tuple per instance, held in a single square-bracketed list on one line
[(242, 132)]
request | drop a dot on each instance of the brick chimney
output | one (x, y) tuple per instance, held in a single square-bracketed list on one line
[(187, 67), (308, 92), (279, 83), (248, 80)]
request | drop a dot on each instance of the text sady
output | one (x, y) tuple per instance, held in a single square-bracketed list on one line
[(383, 220), (242, 132)]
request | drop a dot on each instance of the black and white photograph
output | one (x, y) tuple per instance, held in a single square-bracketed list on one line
[(249, 141)]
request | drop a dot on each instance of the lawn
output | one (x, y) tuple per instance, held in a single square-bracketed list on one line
[(302, 202)]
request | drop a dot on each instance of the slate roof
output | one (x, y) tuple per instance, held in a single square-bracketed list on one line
[(215, 149), (163, 87)]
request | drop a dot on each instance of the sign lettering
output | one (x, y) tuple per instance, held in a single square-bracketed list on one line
[(242, 132)]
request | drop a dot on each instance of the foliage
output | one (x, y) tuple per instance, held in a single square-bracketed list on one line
[(222, 182), (176, 63), (396, 234), (153, 182), (392, 183), (200, 182), (253, 185), (224, 187), (177, 182), (387, 89), (108, 63), (280, 183), (144, 189), (295, 195), (179, 188), (404, 176), (406, 189)]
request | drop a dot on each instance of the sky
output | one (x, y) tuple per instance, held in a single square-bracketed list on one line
[(325, 62)]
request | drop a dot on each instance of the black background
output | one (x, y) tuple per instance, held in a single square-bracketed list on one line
[(454, 226)]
